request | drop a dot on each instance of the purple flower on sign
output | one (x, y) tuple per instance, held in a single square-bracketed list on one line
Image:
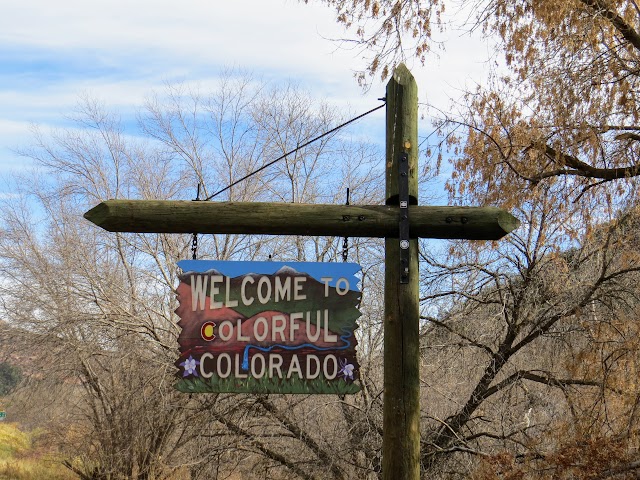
[(190, 366), (346, 369)]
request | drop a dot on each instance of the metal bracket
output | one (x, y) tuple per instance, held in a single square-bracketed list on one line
[(403, 197)]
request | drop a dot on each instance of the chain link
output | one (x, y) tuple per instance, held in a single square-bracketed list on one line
[(194, 246), (194, 241), (345, 249), (345, 241)]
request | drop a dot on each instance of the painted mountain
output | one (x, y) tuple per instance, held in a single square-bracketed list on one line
[(274, 329)]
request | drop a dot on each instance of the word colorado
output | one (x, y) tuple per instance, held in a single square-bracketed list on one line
[(272, 365)]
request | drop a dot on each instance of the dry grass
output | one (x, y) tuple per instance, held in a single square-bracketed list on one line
[(20, 459)]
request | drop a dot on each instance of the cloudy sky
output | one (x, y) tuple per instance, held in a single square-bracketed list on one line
[(120, 51)]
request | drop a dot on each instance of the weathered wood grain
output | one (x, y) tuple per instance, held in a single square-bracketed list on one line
[(171, 216)]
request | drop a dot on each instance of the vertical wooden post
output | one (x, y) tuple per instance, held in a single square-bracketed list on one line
[(401, 444)]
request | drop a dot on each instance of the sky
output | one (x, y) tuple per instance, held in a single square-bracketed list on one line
[(121, 51)]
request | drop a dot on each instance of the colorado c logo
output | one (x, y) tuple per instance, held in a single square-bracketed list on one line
[(207, 331)]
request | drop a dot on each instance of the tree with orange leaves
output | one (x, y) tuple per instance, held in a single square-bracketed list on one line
[(531, 347), (563, 102)]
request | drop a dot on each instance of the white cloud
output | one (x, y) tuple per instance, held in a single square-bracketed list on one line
[(259, 33), (119, 51)]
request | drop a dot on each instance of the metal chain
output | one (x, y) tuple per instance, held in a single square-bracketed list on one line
[(345, 241), (194, 246), (345, 249), (194, 241)]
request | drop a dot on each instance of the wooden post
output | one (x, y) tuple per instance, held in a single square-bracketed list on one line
[(401, 443)]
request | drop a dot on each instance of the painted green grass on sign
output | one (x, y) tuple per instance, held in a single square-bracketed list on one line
[(216, 384)]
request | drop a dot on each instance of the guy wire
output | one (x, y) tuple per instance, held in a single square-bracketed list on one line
[(294, 151)]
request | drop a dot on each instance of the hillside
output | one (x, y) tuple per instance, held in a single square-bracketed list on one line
[(23, 458)]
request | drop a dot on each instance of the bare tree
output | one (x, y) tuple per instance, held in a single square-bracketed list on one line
[(94, 310), (515, 342)]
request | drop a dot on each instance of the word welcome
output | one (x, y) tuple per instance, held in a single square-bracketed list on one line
[(266, 289)]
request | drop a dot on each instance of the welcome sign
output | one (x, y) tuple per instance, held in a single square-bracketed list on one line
[(268, 327)]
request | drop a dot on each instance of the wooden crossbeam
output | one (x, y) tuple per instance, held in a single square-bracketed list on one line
[(167, 216)]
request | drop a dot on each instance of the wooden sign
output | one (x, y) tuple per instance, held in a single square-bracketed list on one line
[(268, 327)]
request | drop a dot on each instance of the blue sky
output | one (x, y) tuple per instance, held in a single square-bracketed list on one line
[(121, 51)]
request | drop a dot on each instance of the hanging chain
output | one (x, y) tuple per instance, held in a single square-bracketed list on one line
[(345, 249), (345, 241), (194, 246), (194, 241)]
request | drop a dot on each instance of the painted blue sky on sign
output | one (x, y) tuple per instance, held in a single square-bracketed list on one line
[(316, 270)]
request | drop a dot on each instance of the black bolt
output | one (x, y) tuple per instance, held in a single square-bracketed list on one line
[(464, 219), (449, 220)]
